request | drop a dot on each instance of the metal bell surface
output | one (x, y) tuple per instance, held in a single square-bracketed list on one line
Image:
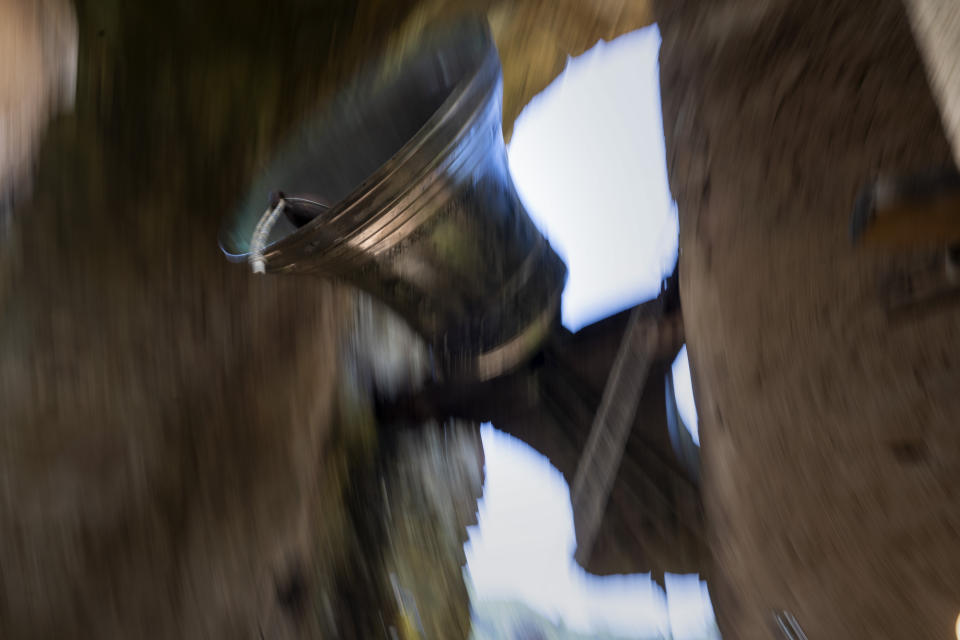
[(402, 188)]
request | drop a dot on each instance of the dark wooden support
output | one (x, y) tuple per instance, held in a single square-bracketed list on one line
[(600, 460), (645, 514)]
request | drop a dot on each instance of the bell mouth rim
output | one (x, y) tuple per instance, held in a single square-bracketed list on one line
[(464, 103)]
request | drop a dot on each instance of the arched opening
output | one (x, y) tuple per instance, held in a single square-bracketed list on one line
[(588, 159)]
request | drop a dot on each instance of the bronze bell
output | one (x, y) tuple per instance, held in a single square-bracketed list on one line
[(401, 187)]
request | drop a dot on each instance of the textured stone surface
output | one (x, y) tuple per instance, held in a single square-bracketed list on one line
[(429, 498), (38, 46), (936, 24), (831, 456)]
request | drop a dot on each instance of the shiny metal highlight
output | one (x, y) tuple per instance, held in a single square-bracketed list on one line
[(423, 213)]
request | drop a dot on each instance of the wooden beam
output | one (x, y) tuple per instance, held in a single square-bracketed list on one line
[(601, 457)]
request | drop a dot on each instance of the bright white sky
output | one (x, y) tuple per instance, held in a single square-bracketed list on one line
[(588, 160), (683, 388)]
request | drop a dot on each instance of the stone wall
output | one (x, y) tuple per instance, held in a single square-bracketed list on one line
[(831, 458)]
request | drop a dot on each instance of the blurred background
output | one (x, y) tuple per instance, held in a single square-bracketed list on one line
[(740, 420)]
